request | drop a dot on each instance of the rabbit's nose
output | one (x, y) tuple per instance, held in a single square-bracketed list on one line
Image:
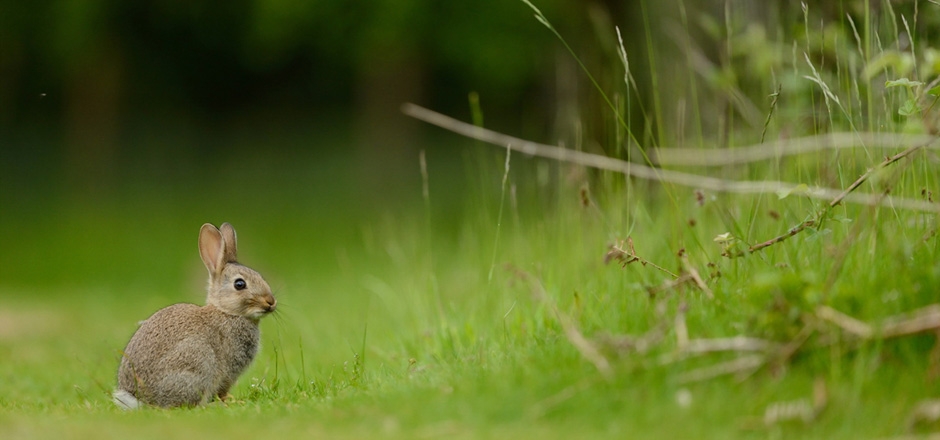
[(268, 302)]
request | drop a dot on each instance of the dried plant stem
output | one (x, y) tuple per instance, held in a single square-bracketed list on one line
[(737, 343), (742, 364), (499, 218), (918, 321), (867, 174), (574, 335), (714, 157), (793, 231), (922, 320), (690, 270), (833, 203), (669, 285), (681, 329), (640, 171), (625, 254), (845, 322), (770, 114)]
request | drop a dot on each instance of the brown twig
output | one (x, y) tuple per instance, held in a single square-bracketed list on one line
[(845, 322), (625, 254), (738, 365), (574, 335), (622, 344), (669, 285), (919, 321), (682, 330), (690, 270), (737, 343), (887, 161), (835, 201), (925, 412), (793, 231), (677, 156), (640, 171)]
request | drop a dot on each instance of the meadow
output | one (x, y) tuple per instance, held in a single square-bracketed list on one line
[(489, 296)]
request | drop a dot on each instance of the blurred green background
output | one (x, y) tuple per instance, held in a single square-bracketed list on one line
[(125, 125)]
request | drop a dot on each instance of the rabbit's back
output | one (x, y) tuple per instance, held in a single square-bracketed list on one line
[(186, 354)]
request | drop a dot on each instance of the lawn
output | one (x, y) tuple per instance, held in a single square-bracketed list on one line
[(513, 298), (401, 330)]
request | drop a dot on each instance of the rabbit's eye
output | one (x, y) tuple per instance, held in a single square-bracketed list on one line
[(240, 284)]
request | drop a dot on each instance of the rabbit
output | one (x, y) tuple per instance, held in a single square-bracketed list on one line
[(187, 355)]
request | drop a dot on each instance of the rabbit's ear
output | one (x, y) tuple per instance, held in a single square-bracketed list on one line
[(230, 250), (211, 248)]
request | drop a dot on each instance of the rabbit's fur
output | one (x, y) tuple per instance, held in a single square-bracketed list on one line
[(186, 355)]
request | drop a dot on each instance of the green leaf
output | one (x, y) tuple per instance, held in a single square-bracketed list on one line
[(799, 189), (887, 59), (841, 219), (934, 91), (903, 82), (909, 108), (816, 234)]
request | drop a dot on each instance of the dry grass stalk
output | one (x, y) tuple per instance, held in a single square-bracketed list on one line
[(743, 364), (787, 147), (834, 202), (690, 270), (623, 344), (640, 171), (737, 343), (922, 320), (888, 161), (682, 330), (574, 335), (925, 412), (845, 322), (918, 321), (624, 253), (669, 285)]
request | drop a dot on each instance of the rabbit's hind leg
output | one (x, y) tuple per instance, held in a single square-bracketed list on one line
[(192, 378), (184, 388)]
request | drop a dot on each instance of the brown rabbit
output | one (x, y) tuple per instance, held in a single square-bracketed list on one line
[(186, 355)]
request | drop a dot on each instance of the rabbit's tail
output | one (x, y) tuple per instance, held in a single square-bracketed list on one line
[(125, 400)]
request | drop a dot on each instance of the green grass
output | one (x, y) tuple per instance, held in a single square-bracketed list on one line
[(390, 324), (408, 340)]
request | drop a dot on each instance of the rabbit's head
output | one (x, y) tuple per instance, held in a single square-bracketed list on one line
[(233, 288)]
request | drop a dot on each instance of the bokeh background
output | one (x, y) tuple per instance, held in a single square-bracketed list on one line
[(96, 93), (125, 125)]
